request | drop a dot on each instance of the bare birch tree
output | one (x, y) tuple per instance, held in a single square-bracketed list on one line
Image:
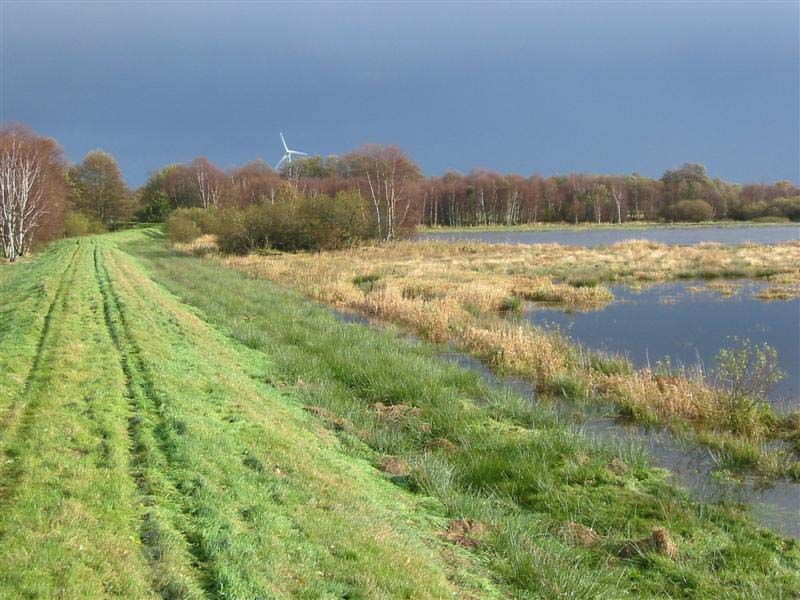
[(209, 180), (387, 174), (29, 166)]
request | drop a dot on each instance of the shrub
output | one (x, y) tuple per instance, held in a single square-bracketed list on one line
[(206, 219), (295, 223), (692, 211), (744, 375), (181, 228), (511, 304), (231, 233), (76, 224), (332, 223), (788, 207), (366, 282)]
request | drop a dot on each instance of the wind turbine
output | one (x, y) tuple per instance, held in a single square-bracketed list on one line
[(288, 154)]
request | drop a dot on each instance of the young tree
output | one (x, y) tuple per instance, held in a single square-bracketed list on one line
[(209, 181), (32, 190), (180, 186), (255, 182), (689, 182), (619, 192), (152, 198), (387, 174), (97, 188)]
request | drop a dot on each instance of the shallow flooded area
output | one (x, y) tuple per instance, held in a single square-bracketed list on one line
[(689, 323), (601, 237), (774, 504)]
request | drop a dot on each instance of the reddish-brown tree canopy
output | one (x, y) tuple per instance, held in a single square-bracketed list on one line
[(33, 189)]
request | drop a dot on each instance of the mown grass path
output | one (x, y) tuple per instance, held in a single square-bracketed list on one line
[(175, 429), (153, 464)]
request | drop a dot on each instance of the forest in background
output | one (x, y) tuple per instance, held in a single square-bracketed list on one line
[(43, 197)]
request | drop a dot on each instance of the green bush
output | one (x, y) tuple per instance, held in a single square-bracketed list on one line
[(744, 375), (294, 223), (206, 219), (768, 211), (77, 224), (181, 228), (788, 207), (231, 233), (331, 223), (289, 224), (693, 211)]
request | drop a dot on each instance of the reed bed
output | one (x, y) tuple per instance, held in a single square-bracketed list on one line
[(463, 294)]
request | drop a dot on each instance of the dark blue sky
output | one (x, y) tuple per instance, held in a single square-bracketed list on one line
[(528, 88)]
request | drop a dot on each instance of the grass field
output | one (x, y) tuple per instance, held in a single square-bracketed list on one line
[(174, 428)]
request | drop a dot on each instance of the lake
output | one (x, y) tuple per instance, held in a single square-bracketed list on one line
[(672, 320), (675, 236)]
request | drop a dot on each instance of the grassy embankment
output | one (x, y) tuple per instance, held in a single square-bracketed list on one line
[(464, 292), (146, 457), (489, 458), (588, 226), (153, 448)]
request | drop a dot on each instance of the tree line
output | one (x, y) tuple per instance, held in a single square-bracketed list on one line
[(43, 197)]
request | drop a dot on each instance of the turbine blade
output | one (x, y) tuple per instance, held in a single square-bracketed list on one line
[(285, 147), (280, 162), (298, 152)]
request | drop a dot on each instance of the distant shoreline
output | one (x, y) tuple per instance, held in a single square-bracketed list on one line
[(637, 225)]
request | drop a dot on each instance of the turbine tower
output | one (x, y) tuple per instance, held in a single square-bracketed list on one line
[(288, 154)]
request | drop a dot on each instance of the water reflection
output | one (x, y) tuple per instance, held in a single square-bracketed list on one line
[(688, 323)]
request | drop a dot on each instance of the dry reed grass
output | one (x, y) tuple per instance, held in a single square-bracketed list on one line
[(451, 292), (461, 293)]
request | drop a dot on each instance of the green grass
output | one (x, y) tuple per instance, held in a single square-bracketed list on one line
[(172, 428), (145, 456), (481, 454)]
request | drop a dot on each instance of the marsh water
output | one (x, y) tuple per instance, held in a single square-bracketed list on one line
[(689, 323), (772, 234), (775, 505)]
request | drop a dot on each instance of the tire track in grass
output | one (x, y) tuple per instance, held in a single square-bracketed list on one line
[(172, 558), (68, 527), (18, 419), (286, 470), (200, 516), (6, 424)]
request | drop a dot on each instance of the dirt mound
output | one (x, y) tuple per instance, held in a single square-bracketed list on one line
[(659, 542), (618, 467), (441, 444), (576, 534), (465, 532), (394, 465), (395, 412), (330, 418)]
